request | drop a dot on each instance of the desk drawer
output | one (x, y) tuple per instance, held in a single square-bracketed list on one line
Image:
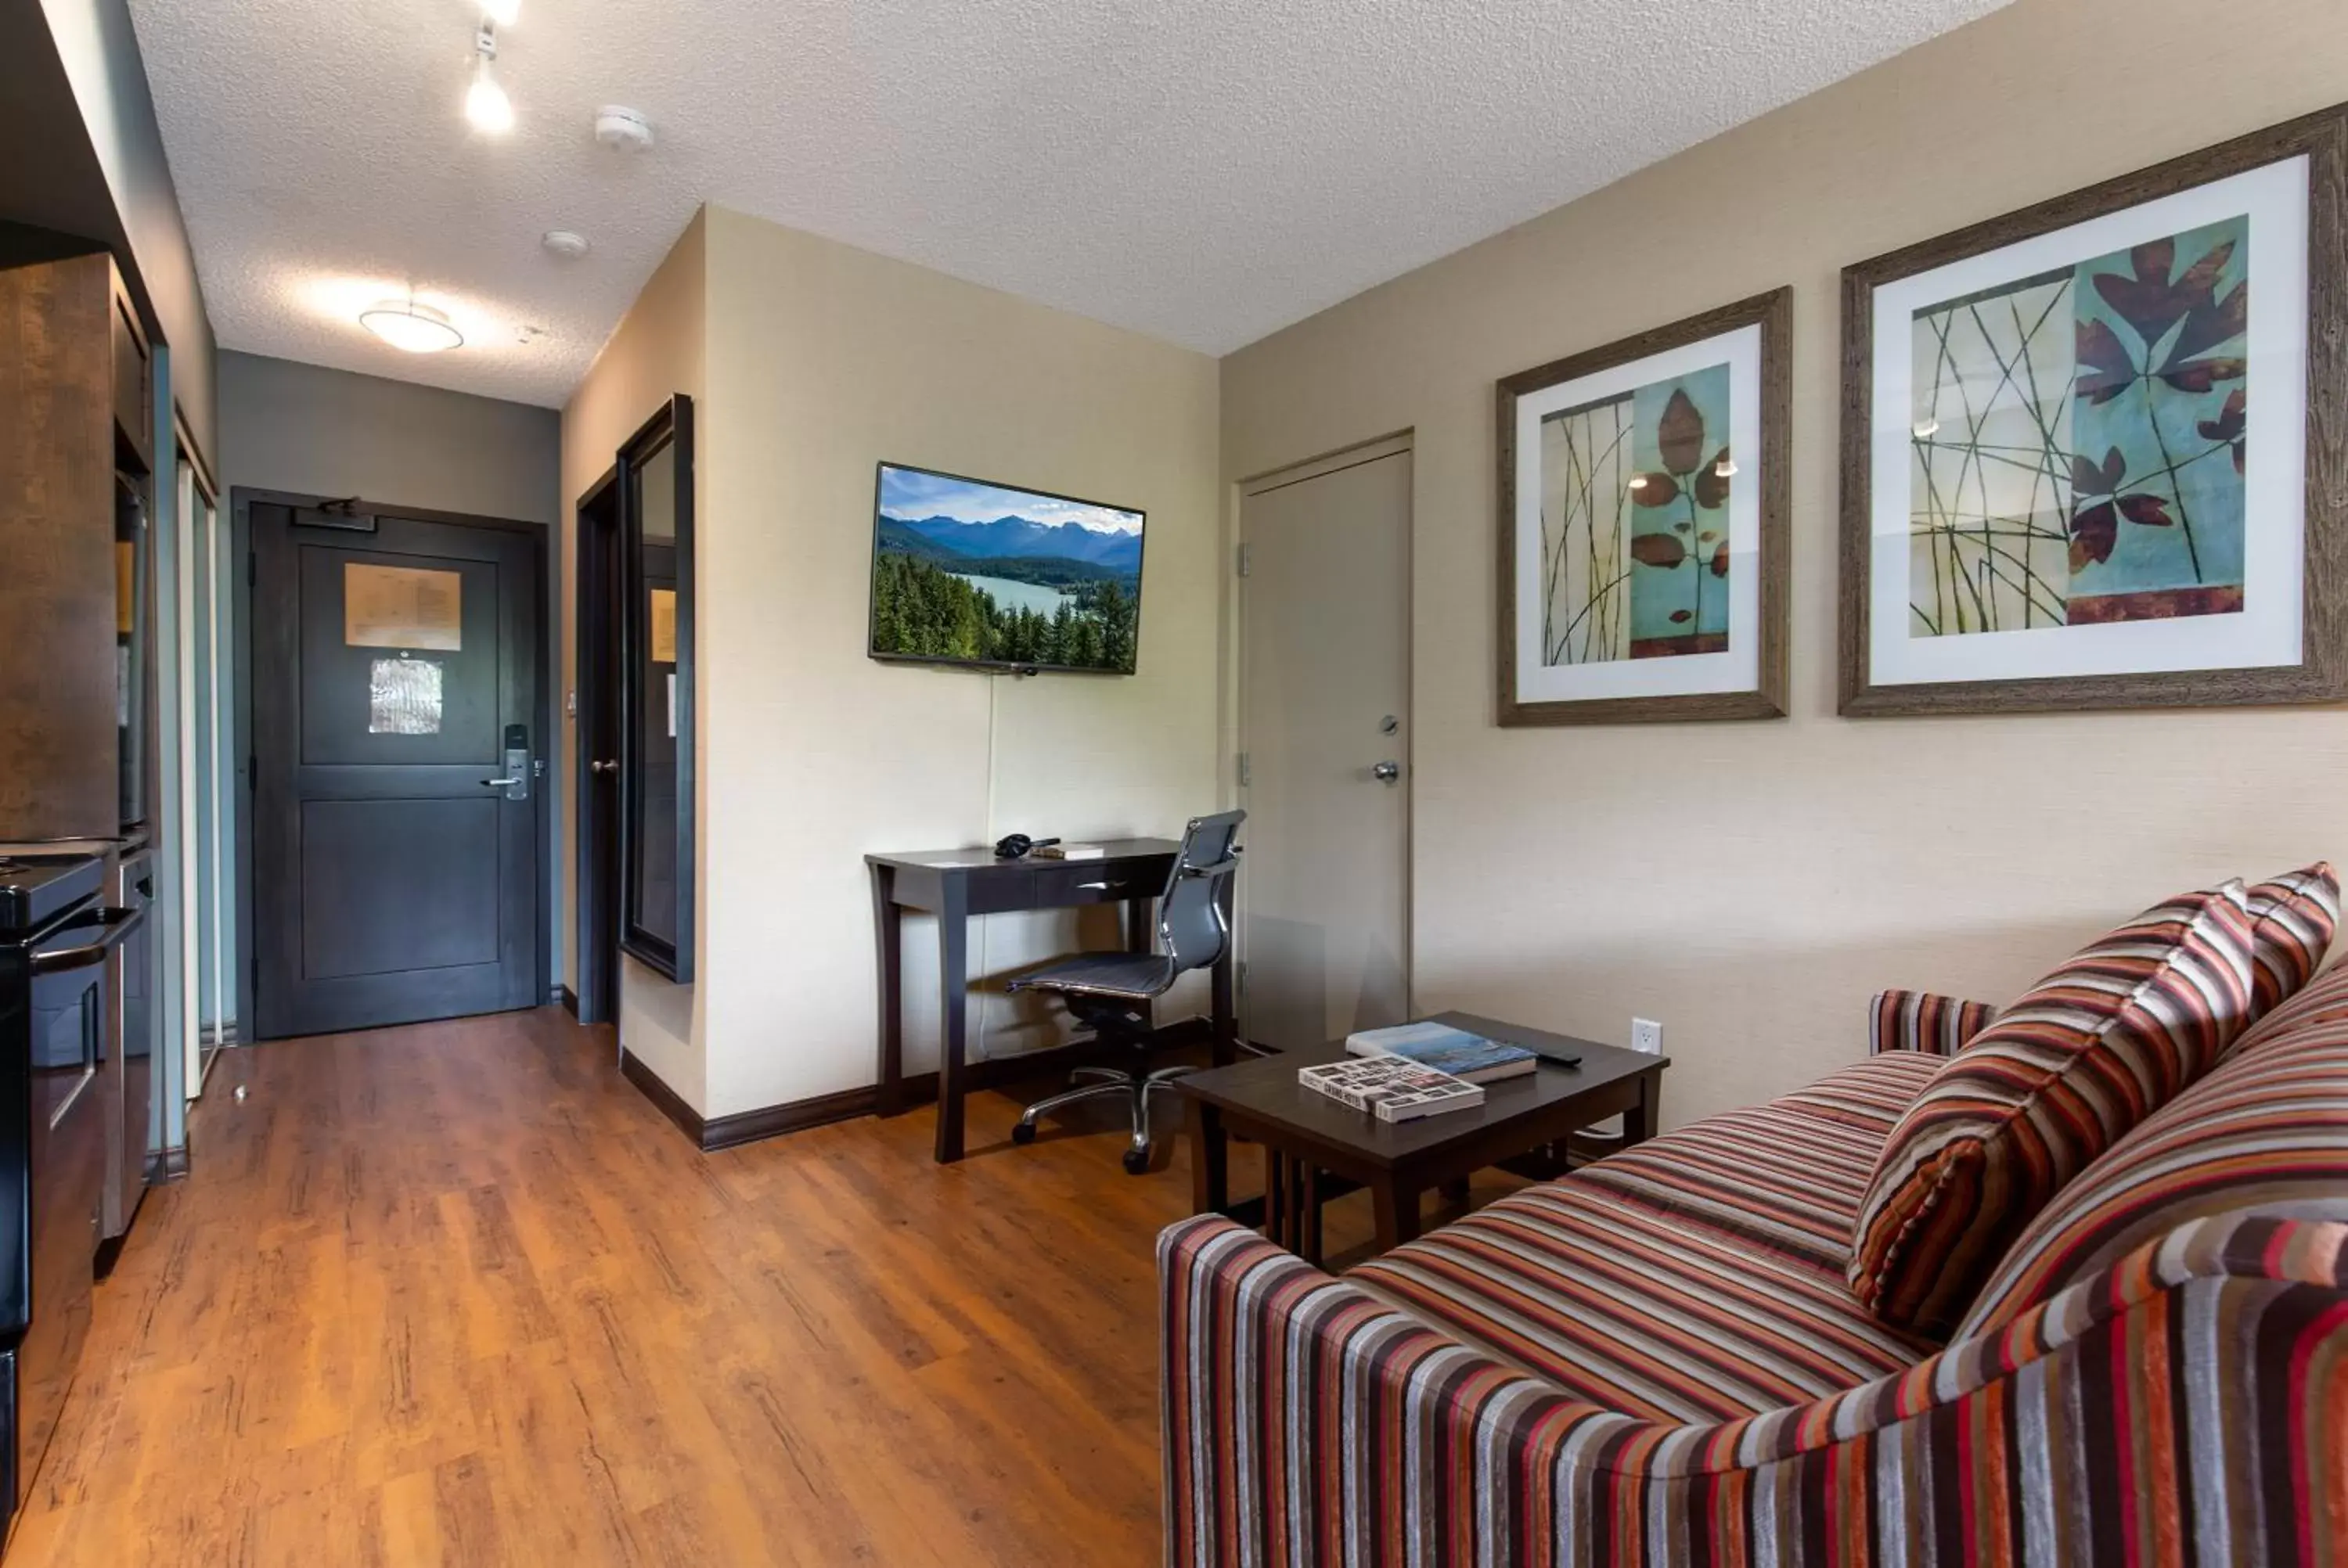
[(1092, 882), (1002, 889)]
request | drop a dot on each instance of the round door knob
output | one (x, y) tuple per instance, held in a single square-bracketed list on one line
[(602, 767), (1386, 773)]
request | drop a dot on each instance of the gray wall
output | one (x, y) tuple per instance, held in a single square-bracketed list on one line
[(301, 427), (289, 427)]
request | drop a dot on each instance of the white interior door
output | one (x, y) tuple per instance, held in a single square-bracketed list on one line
[(1324, 661)]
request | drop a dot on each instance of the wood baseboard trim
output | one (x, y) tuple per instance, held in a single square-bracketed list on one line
[(568, 998), (793, 1116), (666, 1100), (166, 1166), (713, 1133)]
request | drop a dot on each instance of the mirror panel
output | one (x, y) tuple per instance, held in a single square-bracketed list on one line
[(656, 652)]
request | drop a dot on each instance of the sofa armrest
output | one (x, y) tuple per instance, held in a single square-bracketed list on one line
[(1923, 1021), (1306, 1423)]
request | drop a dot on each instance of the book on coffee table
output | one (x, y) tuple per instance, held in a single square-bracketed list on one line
[(1391, 1088), (1473, 1057)]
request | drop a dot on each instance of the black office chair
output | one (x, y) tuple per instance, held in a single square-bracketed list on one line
[(1111, 994)]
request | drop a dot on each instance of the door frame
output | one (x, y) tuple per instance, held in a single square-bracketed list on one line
[(203, 593), (1394, 444), (549, 801), (596, 735)]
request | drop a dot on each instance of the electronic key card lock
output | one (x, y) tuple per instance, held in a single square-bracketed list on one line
[(515, 785)]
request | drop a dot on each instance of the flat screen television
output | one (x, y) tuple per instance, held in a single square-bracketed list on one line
[(991, 577)]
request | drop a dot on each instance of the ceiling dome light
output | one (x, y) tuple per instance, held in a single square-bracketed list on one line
[(411, 327), (486, 104)]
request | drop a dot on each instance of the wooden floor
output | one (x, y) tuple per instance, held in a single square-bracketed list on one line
[(455, 1293)]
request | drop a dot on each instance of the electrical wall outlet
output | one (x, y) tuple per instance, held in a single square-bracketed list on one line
[(1647, 1035)]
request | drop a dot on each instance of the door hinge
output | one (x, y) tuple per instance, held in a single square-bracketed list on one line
[(1241, 978), (1247, 558), (1246, 778)]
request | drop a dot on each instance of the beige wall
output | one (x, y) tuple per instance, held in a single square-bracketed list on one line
[(1749, 885), (823, 361), (658, 351), (809, 363)]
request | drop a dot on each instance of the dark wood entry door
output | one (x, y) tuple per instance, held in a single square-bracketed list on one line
[(395, 679)]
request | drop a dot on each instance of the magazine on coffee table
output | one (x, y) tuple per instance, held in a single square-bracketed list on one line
[(1391, 1088), (1478, 1059)]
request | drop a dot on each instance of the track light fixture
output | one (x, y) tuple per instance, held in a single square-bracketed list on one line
[(486, 104)]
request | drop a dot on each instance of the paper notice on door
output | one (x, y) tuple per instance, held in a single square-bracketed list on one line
[(403, 697), (664, 626), (402, 607)]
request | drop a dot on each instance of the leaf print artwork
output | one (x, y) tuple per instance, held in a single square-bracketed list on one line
[(2078, 452), (1634, 498)]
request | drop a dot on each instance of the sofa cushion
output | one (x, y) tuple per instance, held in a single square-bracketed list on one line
[(1785, 1177), (2266, 1133), (1641, 1292), (1628, 1307), (1870, 1095), (2060, 1076), (2293, 917)]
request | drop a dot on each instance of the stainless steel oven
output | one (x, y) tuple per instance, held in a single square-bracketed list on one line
[(60, 1020)]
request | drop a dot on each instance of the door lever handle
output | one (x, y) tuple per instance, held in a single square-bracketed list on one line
[(501, 783)]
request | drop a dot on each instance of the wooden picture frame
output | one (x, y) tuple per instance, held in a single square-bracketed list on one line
[(2137, 649), (1632, 676)]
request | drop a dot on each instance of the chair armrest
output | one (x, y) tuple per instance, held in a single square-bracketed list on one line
[(1923, 1021), (1307, 1422)]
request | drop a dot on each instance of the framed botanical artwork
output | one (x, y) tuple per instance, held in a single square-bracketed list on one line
[(1643, 525), (2096, 453)]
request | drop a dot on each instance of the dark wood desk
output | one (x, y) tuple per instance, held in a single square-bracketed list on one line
[(954, 884), (1308, 1138)]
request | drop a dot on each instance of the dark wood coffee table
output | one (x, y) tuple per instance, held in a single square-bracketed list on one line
[(1309, 1139)]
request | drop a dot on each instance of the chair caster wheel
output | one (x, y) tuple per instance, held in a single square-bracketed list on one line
[(1136, 1161), (1023, 1132)]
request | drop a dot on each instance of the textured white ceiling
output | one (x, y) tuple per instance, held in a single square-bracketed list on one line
[(1204, 170)]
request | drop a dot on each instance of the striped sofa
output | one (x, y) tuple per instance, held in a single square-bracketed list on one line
[(1658, 1359)]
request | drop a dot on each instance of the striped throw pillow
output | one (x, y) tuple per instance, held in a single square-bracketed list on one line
[(2082, 1057), (2293, 917), (2266, 1133)]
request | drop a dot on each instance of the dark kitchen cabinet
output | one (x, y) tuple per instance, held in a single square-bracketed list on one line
[(77, 488)]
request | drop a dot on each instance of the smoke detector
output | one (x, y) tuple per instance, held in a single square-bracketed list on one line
[(623, 130), (563, 242)]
